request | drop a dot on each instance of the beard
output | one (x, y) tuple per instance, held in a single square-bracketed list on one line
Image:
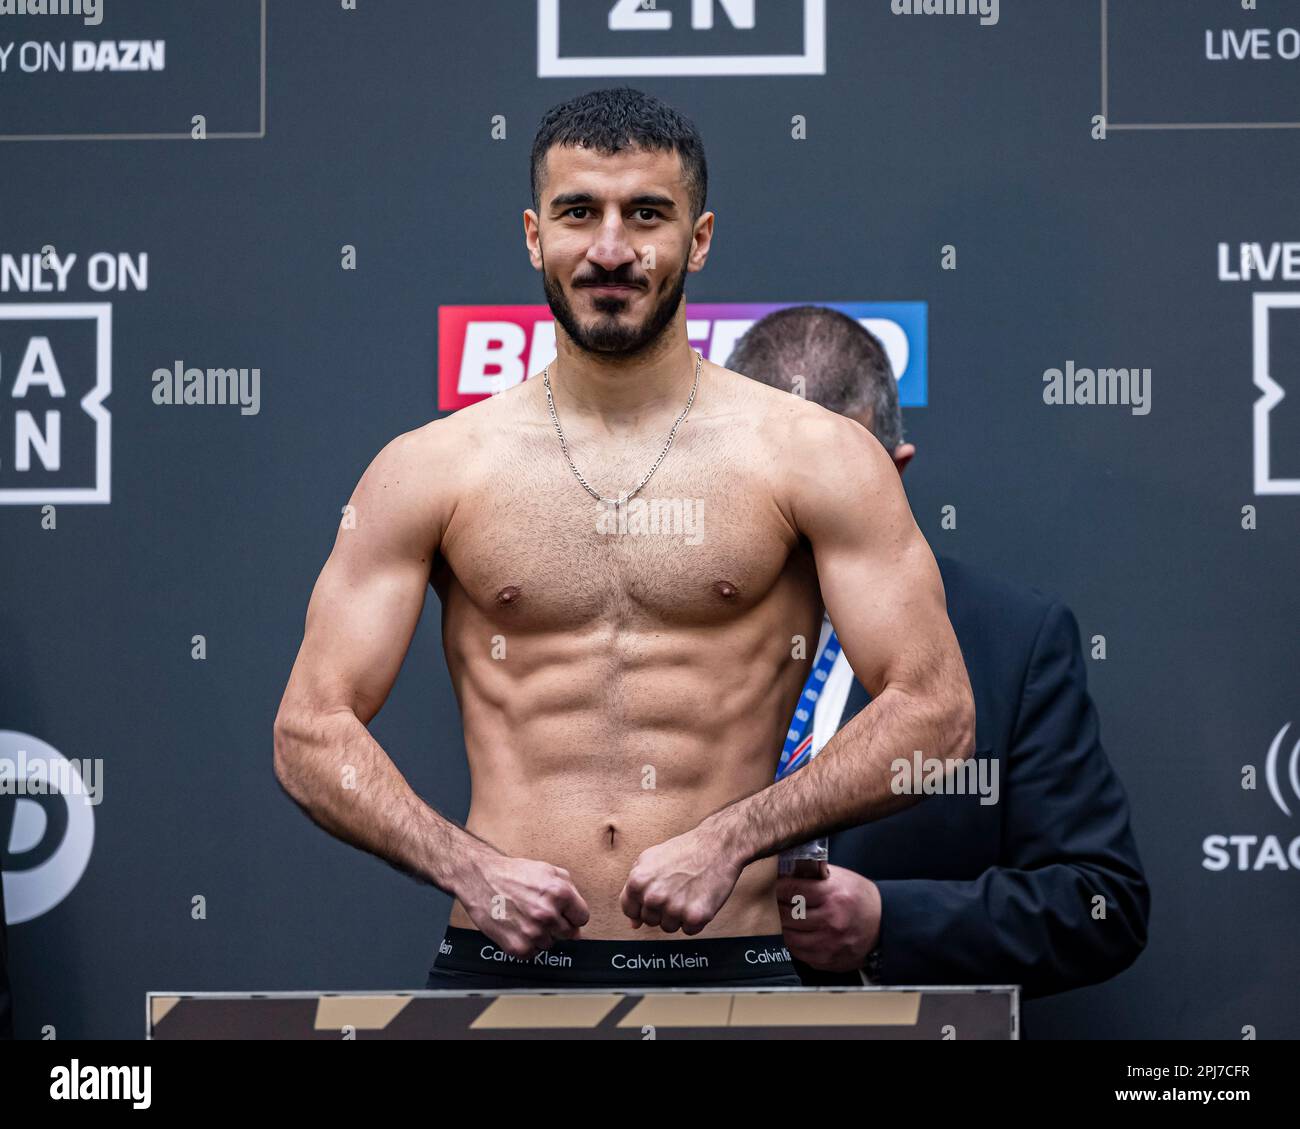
[(607, 332)]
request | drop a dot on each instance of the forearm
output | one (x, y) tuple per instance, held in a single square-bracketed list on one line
[(1037, 928), (851, 781), (341, 777)]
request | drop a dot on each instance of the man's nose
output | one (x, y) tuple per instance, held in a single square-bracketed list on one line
[(612, 248)]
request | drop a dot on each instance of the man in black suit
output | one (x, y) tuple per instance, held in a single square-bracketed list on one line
[(1034, 879), (6, 1005)]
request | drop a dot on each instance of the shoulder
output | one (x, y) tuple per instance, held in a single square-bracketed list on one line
[(451, 445), (787, 419), (415, 480), (828, 476), (799, 441), (430, 448)]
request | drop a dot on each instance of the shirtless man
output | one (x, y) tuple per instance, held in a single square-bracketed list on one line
[(624, 691)]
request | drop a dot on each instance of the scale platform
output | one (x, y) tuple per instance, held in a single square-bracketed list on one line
[(593, 1013)]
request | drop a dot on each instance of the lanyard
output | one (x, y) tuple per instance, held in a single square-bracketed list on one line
[(798, 739)]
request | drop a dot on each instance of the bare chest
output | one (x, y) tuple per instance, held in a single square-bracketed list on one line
[(703, 542)]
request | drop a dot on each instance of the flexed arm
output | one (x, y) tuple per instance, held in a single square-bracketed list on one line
[(885, 596), (362, 615)]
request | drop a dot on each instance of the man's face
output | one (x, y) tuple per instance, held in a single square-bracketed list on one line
[(614, 243)]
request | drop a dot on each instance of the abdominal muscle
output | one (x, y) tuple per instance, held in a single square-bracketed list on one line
[(584, 759)]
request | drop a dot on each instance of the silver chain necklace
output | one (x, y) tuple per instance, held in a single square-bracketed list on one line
[(550, 403)]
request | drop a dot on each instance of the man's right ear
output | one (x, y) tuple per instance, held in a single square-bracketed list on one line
[(902, 455), (534, 254)]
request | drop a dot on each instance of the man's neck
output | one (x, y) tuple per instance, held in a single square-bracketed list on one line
[(623, 393)]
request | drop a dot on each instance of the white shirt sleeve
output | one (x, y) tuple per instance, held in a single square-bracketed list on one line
[(834, 696)]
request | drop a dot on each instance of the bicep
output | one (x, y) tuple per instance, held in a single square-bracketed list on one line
[(369, 596), (879, 579)]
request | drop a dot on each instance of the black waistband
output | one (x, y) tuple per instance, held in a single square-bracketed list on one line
[(633, 962)]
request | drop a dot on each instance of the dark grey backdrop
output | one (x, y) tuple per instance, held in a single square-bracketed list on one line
[(923, 132)]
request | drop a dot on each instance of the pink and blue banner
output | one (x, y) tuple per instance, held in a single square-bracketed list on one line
[(486, 349)]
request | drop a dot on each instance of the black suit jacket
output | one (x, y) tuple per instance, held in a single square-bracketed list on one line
[(6, 1006), (1004, 893)]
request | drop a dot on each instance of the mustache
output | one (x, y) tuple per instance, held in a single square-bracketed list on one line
[(608, 280)]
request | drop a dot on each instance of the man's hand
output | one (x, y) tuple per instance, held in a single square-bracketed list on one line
[(680, 884), (521, 904), (835, 925)]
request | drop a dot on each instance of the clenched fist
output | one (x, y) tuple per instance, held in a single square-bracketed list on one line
[(523, 905), (680, 884)]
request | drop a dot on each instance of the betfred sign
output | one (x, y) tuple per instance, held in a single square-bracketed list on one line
[(487, 349)]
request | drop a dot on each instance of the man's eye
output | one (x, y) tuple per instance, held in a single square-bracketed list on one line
[(577, 209), (652, 214)]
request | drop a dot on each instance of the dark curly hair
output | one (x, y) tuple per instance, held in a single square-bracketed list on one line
[(609, 121)]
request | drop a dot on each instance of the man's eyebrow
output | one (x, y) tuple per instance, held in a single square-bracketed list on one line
[(645, 200)]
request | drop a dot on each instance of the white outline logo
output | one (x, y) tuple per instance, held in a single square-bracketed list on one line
[(551, 65), (33, 892), (1293, 769), (1274, 393), (91, 403)]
